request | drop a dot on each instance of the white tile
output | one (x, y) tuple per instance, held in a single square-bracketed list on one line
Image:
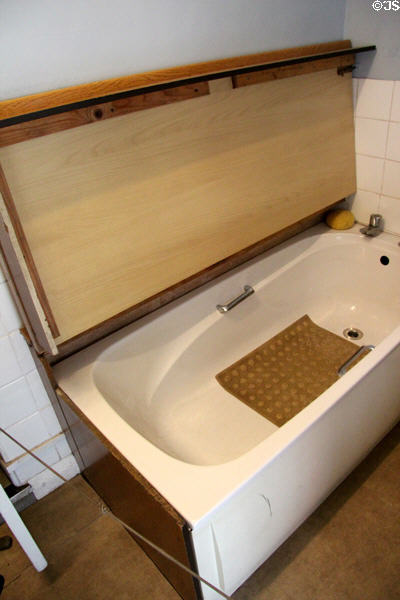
[(38, 390), (395, 114), (363, 205), (9, 366), (391, 179), (393, 145), (369, 173), (8, 313), (46, 482), (27, 467), (13, 478), (374, 98), (62, 446), (22, 352), (390, 209), (371, 136), (30, 432), (50, 420), (16, 402)]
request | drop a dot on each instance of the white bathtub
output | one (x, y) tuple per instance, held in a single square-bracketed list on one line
[(241, 483)]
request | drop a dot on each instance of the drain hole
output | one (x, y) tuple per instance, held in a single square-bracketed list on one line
[(352, 333)]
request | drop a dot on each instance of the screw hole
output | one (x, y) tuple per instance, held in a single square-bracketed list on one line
[(98, 113), (384, 260)]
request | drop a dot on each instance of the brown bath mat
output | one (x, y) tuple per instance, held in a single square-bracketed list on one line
[(279, 378)]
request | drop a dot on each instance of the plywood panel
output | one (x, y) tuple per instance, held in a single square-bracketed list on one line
[(118, 210)]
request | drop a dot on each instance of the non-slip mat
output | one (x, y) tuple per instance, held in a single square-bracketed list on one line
[(282, 376)]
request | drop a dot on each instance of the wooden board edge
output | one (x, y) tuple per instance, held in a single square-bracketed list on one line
[(174, 292), (27, 130), (115, 452), (91, 473), (54, 98), (24, 289), (23, 252)]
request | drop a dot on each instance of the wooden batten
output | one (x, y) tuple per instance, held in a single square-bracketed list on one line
[(294, 70), (63, 97), (28, 130), (116, 218)]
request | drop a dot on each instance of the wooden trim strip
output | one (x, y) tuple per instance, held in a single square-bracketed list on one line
[(292, 70), (149, 305), (216, 68), (28, 130), (27, 255)]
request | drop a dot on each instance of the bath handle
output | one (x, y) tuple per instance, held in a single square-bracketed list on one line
[(223, 308), (345, 366)]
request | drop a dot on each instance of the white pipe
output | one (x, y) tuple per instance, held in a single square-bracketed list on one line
[(19, 529)]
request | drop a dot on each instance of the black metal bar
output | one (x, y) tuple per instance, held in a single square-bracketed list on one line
[(196, 79)]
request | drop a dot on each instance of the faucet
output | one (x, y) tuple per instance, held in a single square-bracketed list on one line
[(375, 226)]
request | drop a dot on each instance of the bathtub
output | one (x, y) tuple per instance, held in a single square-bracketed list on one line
[(242, 484)]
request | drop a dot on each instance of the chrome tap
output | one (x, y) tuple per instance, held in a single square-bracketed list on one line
[(375, 226)]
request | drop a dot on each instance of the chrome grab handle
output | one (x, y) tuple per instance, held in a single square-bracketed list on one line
[(223, 308), (343, 369)]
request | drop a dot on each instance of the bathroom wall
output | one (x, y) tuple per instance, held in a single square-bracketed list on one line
[(365, 25), (52, 43), (377, 109), (26, 412)]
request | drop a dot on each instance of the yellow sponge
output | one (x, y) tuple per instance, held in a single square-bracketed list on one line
[(340, 219)]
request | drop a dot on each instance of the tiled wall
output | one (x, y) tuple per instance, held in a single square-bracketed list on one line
[(377, 132), (26, 412)]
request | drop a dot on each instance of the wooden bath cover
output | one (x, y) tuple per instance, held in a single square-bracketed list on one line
[(282, 376)]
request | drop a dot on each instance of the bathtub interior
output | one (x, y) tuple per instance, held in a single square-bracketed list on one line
[(169, 393)]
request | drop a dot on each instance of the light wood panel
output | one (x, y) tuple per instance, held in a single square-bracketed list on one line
[(119, 210), (96, 89), (183, 287)]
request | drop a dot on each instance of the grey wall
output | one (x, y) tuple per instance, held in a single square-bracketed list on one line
[(49, 44), (364, 25)]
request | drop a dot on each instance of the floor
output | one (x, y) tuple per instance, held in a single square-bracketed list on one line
[(349, 549)]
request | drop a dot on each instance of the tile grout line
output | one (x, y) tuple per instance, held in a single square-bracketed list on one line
[(8, 464), (386, 148)]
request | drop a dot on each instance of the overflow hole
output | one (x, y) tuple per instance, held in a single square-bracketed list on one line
[(384, 260), (352, 333)]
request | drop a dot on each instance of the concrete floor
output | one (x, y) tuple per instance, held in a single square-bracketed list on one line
[(349, 549)]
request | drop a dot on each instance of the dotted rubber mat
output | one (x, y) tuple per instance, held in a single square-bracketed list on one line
[(282, 376)]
